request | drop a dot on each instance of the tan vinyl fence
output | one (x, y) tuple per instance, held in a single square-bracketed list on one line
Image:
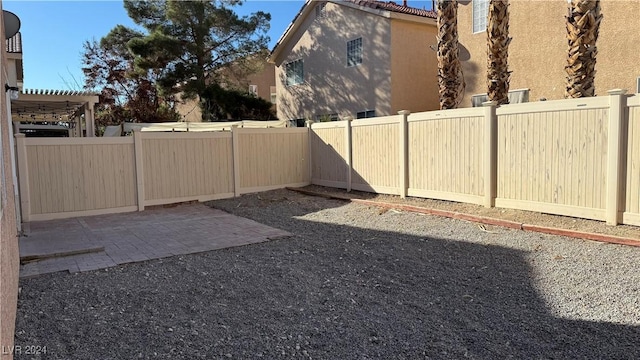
[(66, 177), (329, 154), (554, 158), (578, 157), (631, 199)]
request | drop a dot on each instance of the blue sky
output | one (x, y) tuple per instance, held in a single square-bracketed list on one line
[(53, 33)]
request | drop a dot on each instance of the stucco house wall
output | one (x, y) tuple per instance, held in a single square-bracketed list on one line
[(414, 67), (265, 79), (330, 86), (9, 258), (537, 53)]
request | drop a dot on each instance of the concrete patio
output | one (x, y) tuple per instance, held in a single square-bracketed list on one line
[(97, 242)]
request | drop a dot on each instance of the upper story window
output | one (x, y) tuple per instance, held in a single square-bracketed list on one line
[(320, 10), (354, 52), (480, 13), (253, 90), (294, 72)]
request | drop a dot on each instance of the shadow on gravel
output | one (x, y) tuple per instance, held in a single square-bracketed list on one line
[(331, 292)]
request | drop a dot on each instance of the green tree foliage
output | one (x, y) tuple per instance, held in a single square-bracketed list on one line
[(126, 93), (235, 104), (191, 43)]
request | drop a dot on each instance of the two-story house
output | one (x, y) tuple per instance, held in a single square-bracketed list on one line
[(538, 51), (361, 58), (260, 82)]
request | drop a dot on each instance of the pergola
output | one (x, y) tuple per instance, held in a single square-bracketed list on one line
[(55, 110)]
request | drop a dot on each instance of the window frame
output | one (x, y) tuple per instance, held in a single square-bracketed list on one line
[(476, 6), (367, 114), (361, 46), (286, 72)]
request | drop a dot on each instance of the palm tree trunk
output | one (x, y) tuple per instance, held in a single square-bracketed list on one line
[(450, 78), (498, 40), (583, 24)]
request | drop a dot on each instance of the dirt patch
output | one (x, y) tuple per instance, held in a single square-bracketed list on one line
[(521, 216)]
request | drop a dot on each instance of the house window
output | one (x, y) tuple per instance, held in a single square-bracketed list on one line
[(298, 122), (253, 90), (320, 10), (326, 117), (354, 52), (478, 99), (294, 72), (366, 114), (517, 96), (273, 98), (480, 13)]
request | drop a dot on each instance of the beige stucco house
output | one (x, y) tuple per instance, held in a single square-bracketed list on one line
[(361, 58), (260, 83), (537, 53)]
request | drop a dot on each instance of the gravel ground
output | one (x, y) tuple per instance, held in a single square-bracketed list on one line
[(355, 282), (527, 217)]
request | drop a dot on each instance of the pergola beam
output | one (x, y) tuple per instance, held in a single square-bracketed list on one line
[(73, 99)]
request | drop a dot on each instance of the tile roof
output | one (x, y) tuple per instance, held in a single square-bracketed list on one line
[(14, 44), (393, 7)]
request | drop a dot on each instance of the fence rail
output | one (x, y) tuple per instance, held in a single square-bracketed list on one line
[(67, 177)]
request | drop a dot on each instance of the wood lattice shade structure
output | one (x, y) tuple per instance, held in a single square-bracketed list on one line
[(55, 109)]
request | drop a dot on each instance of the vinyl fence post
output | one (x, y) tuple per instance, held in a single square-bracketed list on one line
[(138, 150), (349, 151), (404, 152), (23, 176), (308, 123), (490, 153), (617, 103), (236, 160)]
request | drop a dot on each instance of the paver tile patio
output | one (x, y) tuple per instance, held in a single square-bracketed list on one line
[(138, 236)]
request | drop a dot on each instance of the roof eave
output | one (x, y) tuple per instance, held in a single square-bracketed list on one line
[(292, 28), (413, 18)]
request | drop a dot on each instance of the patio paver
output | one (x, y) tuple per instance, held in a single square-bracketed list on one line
[(138, 236)]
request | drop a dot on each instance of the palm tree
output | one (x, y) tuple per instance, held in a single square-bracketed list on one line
[(498, 40), (450, 78), (583, 23)]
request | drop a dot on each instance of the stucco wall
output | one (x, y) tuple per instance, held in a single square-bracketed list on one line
[(538, 50), (265, 79), (329, 85), (9, 257), (414, 82), (189, 110)]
